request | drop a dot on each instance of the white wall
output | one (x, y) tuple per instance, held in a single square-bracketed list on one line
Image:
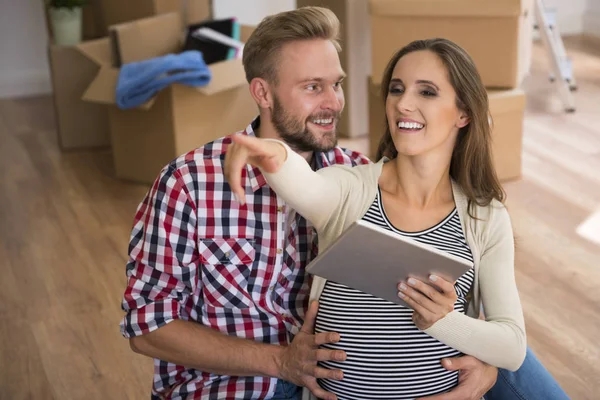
[(23, 55), (591, 19), (569, 14), (250, 12)]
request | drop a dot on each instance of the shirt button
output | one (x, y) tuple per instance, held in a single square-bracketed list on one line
[(280, 209), (227, 254), (271, 288), (279, 251)]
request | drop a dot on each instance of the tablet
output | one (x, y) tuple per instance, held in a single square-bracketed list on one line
[(374, 260)]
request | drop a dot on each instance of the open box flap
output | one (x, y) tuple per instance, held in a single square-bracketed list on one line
[(147, 38), (97, 50), (225, 75), (102, 90)]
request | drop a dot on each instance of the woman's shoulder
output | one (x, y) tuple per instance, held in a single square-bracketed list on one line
[(490, 222), (493, 212), (478, 209)]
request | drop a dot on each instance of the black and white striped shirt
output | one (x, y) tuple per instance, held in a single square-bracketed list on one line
[(388, 357)]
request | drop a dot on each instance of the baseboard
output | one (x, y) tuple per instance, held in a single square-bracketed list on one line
[(24, 83)]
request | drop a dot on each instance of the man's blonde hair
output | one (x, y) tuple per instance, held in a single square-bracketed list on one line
[(262, 49)]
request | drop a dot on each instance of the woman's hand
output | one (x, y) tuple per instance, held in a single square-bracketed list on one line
[(430, 301), (264, 154)]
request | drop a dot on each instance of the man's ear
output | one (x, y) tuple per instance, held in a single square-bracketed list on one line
[(463, 120), (260, 90)]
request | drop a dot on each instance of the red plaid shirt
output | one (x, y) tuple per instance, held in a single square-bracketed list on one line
[(197, 255)]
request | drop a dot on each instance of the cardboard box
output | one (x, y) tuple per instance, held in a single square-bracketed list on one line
[(507, 109), (114, 12), (179, 118), (79, 124), (355, 59), (489, 30), (526, 38), (99, 15), (92, 24)]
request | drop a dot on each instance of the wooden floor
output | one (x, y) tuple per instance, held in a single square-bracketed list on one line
[(64, 226)]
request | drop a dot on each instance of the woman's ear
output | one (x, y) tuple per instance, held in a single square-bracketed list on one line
[(463, 120), (260, 91)]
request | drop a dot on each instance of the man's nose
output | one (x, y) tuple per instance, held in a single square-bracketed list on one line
[(334, 100)]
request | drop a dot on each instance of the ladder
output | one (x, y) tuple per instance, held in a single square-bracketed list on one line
[(560, 63)]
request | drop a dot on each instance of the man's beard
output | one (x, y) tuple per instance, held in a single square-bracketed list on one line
[(296, 133)]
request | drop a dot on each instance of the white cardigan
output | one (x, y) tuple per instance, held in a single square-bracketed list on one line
[(335, 197)]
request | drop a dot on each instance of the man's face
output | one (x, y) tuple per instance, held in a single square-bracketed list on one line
[(308, 98)]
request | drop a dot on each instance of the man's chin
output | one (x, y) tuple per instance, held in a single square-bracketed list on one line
[(325, 141), (328, 144)]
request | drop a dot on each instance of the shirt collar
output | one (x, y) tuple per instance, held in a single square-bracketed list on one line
[(254, 178)]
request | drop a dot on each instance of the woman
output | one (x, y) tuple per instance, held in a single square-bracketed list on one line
[(436, 184)]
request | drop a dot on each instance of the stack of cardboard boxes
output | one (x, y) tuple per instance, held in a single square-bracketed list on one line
[(178, 119), (496, 33), (81, 124)]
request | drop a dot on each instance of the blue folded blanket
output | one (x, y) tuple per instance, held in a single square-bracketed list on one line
[(139, 81)]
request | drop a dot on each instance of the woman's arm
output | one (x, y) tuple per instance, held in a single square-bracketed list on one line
[(499, 340), (314, 195)]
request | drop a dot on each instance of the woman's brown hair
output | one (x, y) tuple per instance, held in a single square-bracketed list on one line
[(471, 165)]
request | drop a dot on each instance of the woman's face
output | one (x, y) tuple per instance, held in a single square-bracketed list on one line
[(421, 106)]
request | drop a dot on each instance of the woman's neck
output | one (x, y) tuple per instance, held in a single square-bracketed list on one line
[(419, 181)]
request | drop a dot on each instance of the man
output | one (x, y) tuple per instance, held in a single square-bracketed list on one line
[(216, 289)]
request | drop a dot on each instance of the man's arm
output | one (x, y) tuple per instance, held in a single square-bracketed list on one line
[(163, 273), (205, 349), (202, 348)]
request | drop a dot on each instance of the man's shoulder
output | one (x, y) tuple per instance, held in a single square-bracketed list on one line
[(342, 156), (202, 164), (208, 153), (206, 157)]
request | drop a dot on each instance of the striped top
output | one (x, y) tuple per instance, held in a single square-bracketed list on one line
[(388, 357)]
